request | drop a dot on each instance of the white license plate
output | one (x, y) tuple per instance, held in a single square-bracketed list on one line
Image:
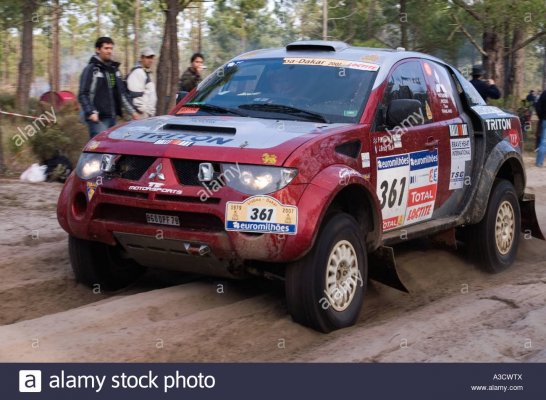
[(162, 219)]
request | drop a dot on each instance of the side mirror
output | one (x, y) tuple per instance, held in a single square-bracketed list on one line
[(400, 110), (180, 96)]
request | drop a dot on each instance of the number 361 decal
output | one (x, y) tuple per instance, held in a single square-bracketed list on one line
[(263, 214)]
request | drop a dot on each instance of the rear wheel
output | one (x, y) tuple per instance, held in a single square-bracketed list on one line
[(325, 289), (494, 241), (96, 263)]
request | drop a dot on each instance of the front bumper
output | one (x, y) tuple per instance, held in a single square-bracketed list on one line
[(115, 215)]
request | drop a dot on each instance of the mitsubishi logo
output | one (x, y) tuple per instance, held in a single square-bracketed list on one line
[(158, 174)]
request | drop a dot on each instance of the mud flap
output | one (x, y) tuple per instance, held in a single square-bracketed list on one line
[(382, 268), (529, 221)]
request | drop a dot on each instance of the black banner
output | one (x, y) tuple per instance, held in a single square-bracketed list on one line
[(272, 381)]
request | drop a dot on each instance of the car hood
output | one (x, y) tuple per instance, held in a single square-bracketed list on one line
[(222, 136)]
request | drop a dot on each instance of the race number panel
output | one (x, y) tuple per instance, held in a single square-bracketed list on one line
[(392, 188), (262, 214), (406, 187)]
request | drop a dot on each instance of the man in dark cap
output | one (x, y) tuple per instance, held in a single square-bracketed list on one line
[(485, 87)]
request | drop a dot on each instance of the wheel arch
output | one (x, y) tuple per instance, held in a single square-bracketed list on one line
[(504, 162), (357, 201)]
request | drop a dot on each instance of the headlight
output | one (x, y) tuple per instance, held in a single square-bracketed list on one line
[(89, 165), (257, 179)]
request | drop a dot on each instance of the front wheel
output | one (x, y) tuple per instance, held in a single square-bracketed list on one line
[(96, 263), (325, 289), (494, 240)]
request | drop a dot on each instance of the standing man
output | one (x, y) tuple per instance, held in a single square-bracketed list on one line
[(192, 76), (486, 88), (540, 107), (140, 87), (102, 94)]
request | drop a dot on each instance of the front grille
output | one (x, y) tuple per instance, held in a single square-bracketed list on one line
[(188, 220), (125, 193), (188, 171), (133, 167)]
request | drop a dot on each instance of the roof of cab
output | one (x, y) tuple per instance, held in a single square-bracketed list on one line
[(385, 58), (335, 49)]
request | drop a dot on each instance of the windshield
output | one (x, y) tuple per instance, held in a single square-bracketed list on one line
[(280, 89)]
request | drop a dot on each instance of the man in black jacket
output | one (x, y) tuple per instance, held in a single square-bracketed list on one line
[(102, 91), (192, 76), (486, 88)]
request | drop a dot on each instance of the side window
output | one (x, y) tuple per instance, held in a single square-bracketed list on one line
[(442, 91), (473, 98), (407, 81)]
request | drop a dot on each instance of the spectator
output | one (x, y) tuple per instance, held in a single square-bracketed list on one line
[(192, 76), (486, 88), (540, 107), (102, 91), (140, 87), (531, 98)]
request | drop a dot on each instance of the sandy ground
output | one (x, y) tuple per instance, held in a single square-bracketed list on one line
[(454, 312)]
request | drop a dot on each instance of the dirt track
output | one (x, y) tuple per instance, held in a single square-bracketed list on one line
[(454, 313)]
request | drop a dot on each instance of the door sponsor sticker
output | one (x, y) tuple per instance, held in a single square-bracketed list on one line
[(406, 187), (461, 152), (423, 184), (458, 130), (261, 214)]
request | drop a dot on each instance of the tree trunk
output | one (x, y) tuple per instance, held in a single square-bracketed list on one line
[(2, 163), (5, 76), (199, 27), (136, 28), (163, 67), (173, 32), (24, 79), (55, 48), (507, 64), (544, 65), (370, 20), (403, 24), (324, 19), (492, 63), (98, 12), (515, 86), (126, 45)]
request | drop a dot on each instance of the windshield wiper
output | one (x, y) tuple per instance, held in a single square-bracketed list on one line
[(283, 109), (214, 108)]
